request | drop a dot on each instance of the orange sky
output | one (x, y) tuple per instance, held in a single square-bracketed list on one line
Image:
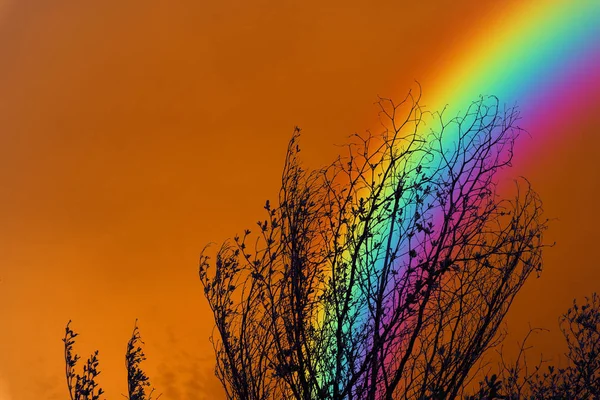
[(133, 133)]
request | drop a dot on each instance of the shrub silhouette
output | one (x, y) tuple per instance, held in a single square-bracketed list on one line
[(579, 379), (85, 387), (81, 387)]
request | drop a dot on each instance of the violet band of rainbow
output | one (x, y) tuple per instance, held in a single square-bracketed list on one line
[(543, 56)]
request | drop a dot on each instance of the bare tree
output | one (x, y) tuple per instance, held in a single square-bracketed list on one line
[(383, 276)]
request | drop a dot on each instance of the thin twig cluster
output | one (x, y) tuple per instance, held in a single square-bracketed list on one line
[(85, 386), (579, 379), (81, 387)]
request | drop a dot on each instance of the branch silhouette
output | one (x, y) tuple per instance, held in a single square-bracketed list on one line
[(85, 387)]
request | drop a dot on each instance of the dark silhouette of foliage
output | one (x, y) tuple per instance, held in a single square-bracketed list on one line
[(85, 387), (383, 276), (580, 379), (137, 380), (81, 387), (489, 389)]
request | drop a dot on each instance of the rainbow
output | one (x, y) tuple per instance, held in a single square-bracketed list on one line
[(542, 56)]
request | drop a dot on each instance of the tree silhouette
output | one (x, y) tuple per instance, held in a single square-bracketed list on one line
[(385, 275)]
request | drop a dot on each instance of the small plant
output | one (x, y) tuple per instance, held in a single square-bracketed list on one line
[(137, 380), (580, 379), (85, 387), (81, 387), (489, 389)]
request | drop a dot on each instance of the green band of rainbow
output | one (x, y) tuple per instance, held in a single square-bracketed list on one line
[(543, 56)]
